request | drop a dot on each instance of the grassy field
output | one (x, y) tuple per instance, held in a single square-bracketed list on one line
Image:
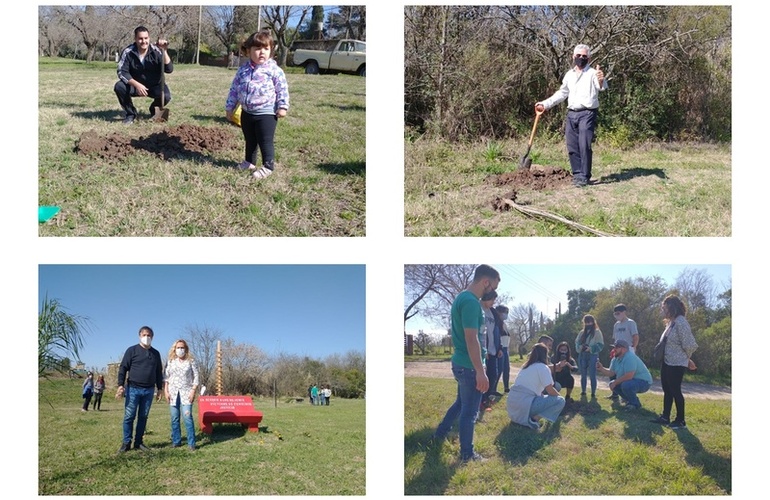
[(651, 190), (318, 188), (300, 450), (600, 450)]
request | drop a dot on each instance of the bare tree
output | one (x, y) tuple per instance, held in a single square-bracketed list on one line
[(521, 324), (244, 368), (277, 18), (430, 289), (203, 345), (696, 288)]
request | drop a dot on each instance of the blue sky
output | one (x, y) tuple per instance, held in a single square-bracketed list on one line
[(312, 310), (546, 286)]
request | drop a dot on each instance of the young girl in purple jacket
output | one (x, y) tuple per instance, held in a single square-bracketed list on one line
[(260, 87)]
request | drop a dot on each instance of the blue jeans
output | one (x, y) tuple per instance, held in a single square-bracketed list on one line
[(587, 365), (138, 403), (465, 407), (547, 407), (629, 389), (186, 412)]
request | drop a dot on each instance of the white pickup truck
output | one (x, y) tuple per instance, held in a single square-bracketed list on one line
[(319, 56)]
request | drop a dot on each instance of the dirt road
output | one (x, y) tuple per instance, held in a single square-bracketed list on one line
[(441, 369)]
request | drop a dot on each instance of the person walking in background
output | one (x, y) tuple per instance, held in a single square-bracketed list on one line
[(181, 381), (526, 402), (563, 366), (588, 344), (504, 362), (98, 391), (88, 390), (327, 394), (631, 375), (314, 394), (679, 346), (144, 367), (467, 321), (625, 328), (580, 86)]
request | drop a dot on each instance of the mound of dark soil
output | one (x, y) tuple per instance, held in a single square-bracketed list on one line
[(537, 178), (182, 142)]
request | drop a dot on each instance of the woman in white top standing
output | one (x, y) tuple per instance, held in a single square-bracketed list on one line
[(526, 402), (181, 381)]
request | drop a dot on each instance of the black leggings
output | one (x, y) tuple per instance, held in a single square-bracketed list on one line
[(671, 381), (97, 400), (259, 132)]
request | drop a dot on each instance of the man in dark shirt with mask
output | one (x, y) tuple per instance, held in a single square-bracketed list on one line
[(143, 364), (580, 86)]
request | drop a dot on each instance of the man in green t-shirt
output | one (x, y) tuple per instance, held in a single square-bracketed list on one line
[(468, 360)]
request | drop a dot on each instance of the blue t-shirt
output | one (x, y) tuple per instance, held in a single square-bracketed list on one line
[(630, 362), (466, 313)]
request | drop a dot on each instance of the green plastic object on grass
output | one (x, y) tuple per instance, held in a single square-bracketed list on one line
[(45, 214)]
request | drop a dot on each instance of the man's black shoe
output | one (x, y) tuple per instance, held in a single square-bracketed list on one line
[(141, 447), (129, 119), (124, 447)]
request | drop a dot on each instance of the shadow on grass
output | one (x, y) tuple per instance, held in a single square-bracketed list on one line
[(517, 444), (590, 409), (349, 168), (716, 467), (354, 107), (434, 476), (629, 173), (105, 116)]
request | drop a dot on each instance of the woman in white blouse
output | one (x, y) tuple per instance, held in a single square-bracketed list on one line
[(181, 381), (679, 346)]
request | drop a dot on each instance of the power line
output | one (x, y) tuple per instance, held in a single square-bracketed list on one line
[(518, 276)]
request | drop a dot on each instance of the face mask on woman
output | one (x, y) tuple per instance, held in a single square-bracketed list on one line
[(180, 352)]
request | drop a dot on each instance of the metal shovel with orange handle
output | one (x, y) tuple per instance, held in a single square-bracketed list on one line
[(527, 162)]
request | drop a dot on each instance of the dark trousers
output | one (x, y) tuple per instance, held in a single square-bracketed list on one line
[(671, 382), (97, 401), (87, 400), (580, 134), (504, 369), (126, 93), (259, 132), (491, 370)]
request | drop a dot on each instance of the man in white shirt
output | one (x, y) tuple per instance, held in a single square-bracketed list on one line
[(580, 86)]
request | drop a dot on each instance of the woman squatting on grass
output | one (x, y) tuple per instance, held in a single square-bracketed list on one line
[(526, 402), (260, 87)]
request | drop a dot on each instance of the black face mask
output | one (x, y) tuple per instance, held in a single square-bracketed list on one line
[(581, 61)]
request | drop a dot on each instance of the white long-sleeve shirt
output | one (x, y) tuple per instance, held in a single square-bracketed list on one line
[(580, 88)]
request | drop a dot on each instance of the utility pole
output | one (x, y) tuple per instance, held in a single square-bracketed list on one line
[(198, 47)]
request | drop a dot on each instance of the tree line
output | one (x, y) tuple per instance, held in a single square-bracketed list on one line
[(428, 288), (96, 33), (477, 71), (245, 368)]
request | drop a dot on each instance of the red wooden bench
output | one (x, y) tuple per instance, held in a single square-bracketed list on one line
[(228, 409)]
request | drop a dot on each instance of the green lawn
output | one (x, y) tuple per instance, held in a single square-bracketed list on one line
[(318, 188), (656, 189), (601, 449), (300, 450)]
